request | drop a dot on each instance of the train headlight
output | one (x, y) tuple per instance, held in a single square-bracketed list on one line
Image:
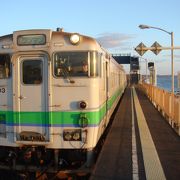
[(75, 39), (72, 135), (76, 136), (83, 120), (82, 105), (67, 136)]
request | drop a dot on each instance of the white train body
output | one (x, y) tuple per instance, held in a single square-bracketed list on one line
[(46, 97)]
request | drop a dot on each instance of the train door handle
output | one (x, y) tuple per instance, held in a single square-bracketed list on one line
[(21, 97)]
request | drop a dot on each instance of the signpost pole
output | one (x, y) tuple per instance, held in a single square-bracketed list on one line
[(172, 60)]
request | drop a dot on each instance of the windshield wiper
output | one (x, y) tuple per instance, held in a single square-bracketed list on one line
[(66, 75)]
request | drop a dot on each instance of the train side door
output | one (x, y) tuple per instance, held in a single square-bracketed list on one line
[(31, 92)]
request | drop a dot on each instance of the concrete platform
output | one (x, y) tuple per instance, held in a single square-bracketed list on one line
[(140, 144)]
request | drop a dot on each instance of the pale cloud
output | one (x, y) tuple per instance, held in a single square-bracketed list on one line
[(114, 40)]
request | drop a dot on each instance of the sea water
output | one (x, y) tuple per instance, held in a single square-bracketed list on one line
[(164, 82)]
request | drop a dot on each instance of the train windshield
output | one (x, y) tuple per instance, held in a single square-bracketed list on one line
[(76, 64)]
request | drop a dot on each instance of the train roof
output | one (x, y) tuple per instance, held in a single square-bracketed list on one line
[(6, 36), (52, 37)]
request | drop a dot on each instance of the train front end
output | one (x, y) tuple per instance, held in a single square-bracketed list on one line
[(52, 99)]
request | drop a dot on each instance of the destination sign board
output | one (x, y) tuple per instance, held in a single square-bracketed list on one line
[(33, 39)]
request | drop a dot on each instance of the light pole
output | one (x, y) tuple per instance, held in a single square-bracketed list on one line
[(142, 26)]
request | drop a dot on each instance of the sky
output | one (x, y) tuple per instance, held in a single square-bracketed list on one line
[(114, 23)]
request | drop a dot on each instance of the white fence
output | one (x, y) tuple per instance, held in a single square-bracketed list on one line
[(167, 103)]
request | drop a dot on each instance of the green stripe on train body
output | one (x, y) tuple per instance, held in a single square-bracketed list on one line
[(57, 118)]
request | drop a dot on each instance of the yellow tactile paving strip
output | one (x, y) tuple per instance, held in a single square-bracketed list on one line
[(153, 168)]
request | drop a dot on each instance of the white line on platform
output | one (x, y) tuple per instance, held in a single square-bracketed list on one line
[(135, 168)]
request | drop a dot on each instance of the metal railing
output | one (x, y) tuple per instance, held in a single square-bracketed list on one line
[(167, 103)]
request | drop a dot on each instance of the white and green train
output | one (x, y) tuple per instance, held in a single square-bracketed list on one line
[(57, 93)]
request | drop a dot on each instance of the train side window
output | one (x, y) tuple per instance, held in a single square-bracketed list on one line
[(32, 71), (5, 69)]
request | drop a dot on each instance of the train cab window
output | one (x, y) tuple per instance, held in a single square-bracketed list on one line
[(94, 64), (71, 64), (32, 72), (5, 69), (80, 64)]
